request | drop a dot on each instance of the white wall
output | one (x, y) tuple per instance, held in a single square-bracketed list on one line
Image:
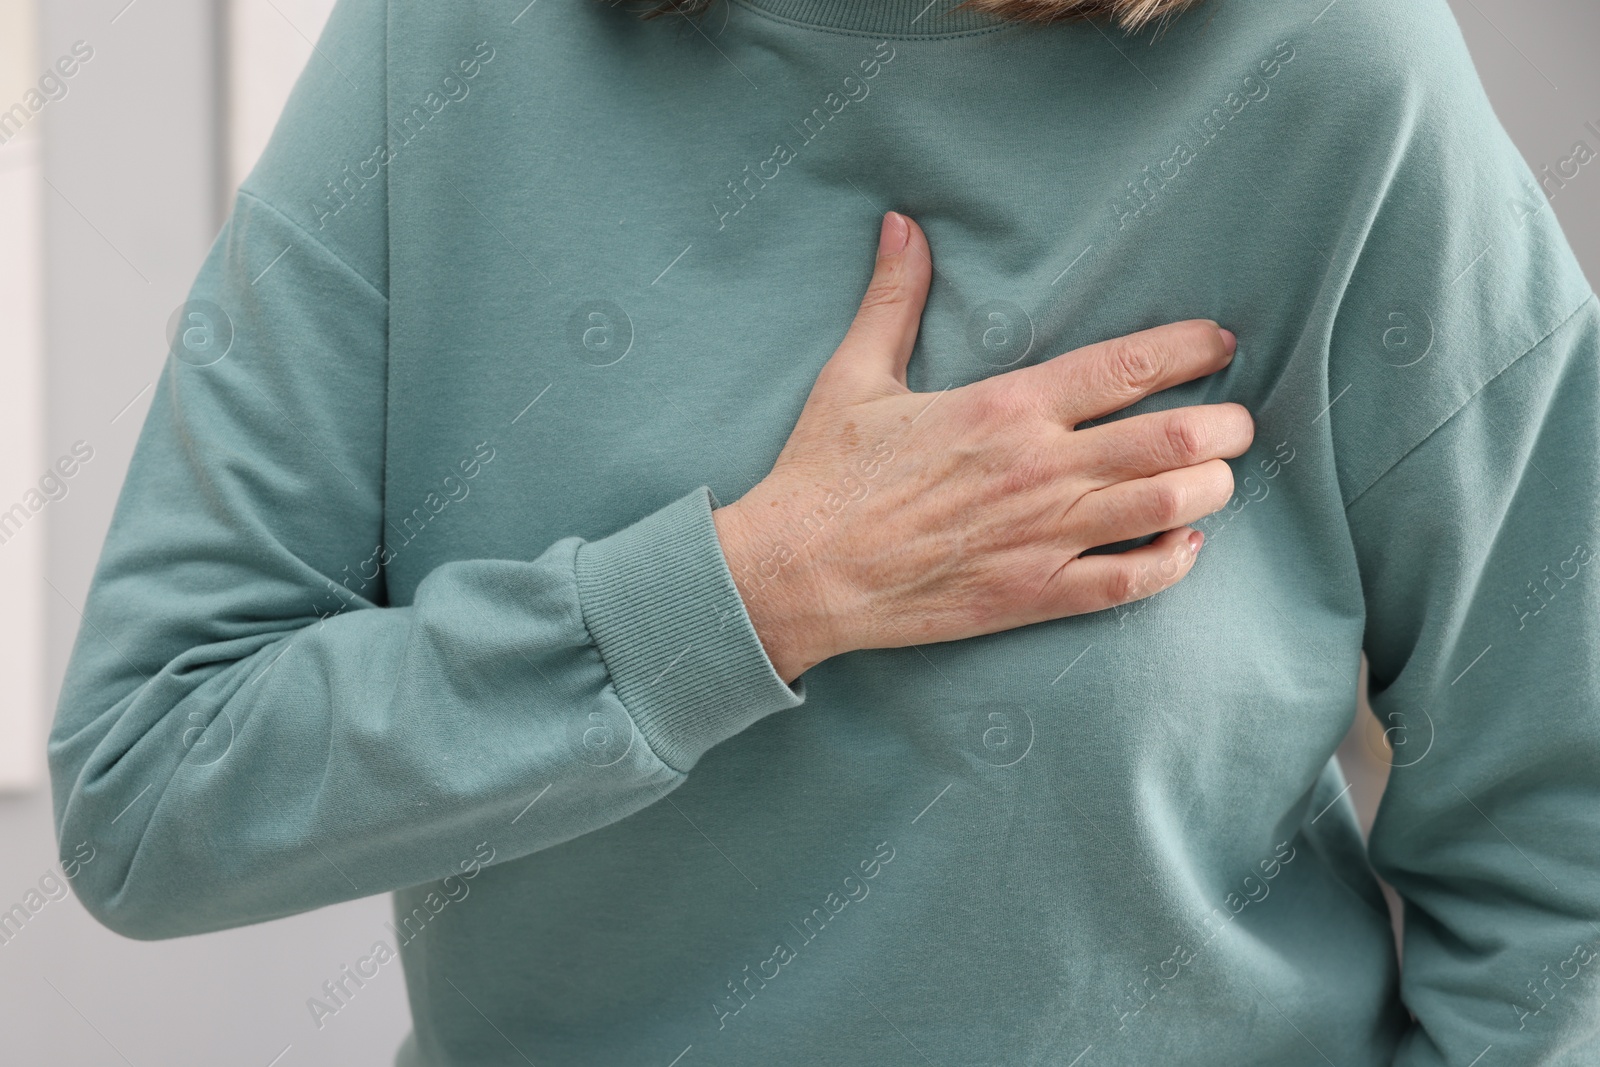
[(268, 45), (22, 692)]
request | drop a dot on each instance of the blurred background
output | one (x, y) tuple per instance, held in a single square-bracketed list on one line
[(125, 127)]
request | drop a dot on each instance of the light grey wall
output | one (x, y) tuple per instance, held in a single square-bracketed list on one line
[(135, 151), (1537, 58)]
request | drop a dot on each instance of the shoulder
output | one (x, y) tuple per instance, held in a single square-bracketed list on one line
[(1355, 83), (1444, 261), (1351, 53), (318, 169)]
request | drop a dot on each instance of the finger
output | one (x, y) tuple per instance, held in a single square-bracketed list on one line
[(1097, 582), (1141, 446), (1098, 379), (1143, 506), (878, 345)]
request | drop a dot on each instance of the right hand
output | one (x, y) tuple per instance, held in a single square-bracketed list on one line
[(895, 518)]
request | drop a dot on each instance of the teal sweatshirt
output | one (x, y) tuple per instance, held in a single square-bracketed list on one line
[(413, 586)]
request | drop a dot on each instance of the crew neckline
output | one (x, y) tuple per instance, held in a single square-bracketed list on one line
[(887, 18)]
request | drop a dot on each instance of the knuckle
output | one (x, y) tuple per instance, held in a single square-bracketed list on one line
[(1003, 404), (1024, 473), (1167, 501), (1134, 366), (1186, 439), (834, 371), (1201, 339), (1119, 585), (1124, 584), (884, 291)]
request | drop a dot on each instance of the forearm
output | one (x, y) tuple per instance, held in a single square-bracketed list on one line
[(250, 726)]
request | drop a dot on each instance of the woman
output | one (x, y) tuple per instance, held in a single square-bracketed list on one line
[(421, 582)]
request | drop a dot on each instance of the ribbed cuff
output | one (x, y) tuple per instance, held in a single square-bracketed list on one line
[(661, 605)]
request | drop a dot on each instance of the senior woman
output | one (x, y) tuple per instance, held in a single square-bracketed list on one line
[(511, 530)]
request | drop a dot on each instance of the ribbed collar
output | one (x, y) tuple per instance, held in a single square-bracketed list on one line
[(889, 18)]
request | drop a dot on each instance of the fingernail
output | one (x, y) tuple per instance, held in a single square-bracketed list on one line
[(892, 237), (1196, 539), (1229, 341)]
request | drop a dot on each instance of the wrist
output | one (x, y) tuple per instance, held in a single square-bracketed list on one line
[(789, 617)]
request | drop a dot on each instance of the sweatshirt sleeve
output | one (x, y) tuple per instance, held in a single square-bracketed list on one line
[(243, 733), (1465, 410), (1479, 564)]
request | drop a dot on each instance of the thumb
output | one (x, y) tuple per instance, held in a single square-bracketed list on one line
[(878, 345)]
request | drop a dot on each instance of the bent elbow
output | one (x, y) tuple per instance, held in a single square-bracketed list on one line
[(129, 915), (120, 897)]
